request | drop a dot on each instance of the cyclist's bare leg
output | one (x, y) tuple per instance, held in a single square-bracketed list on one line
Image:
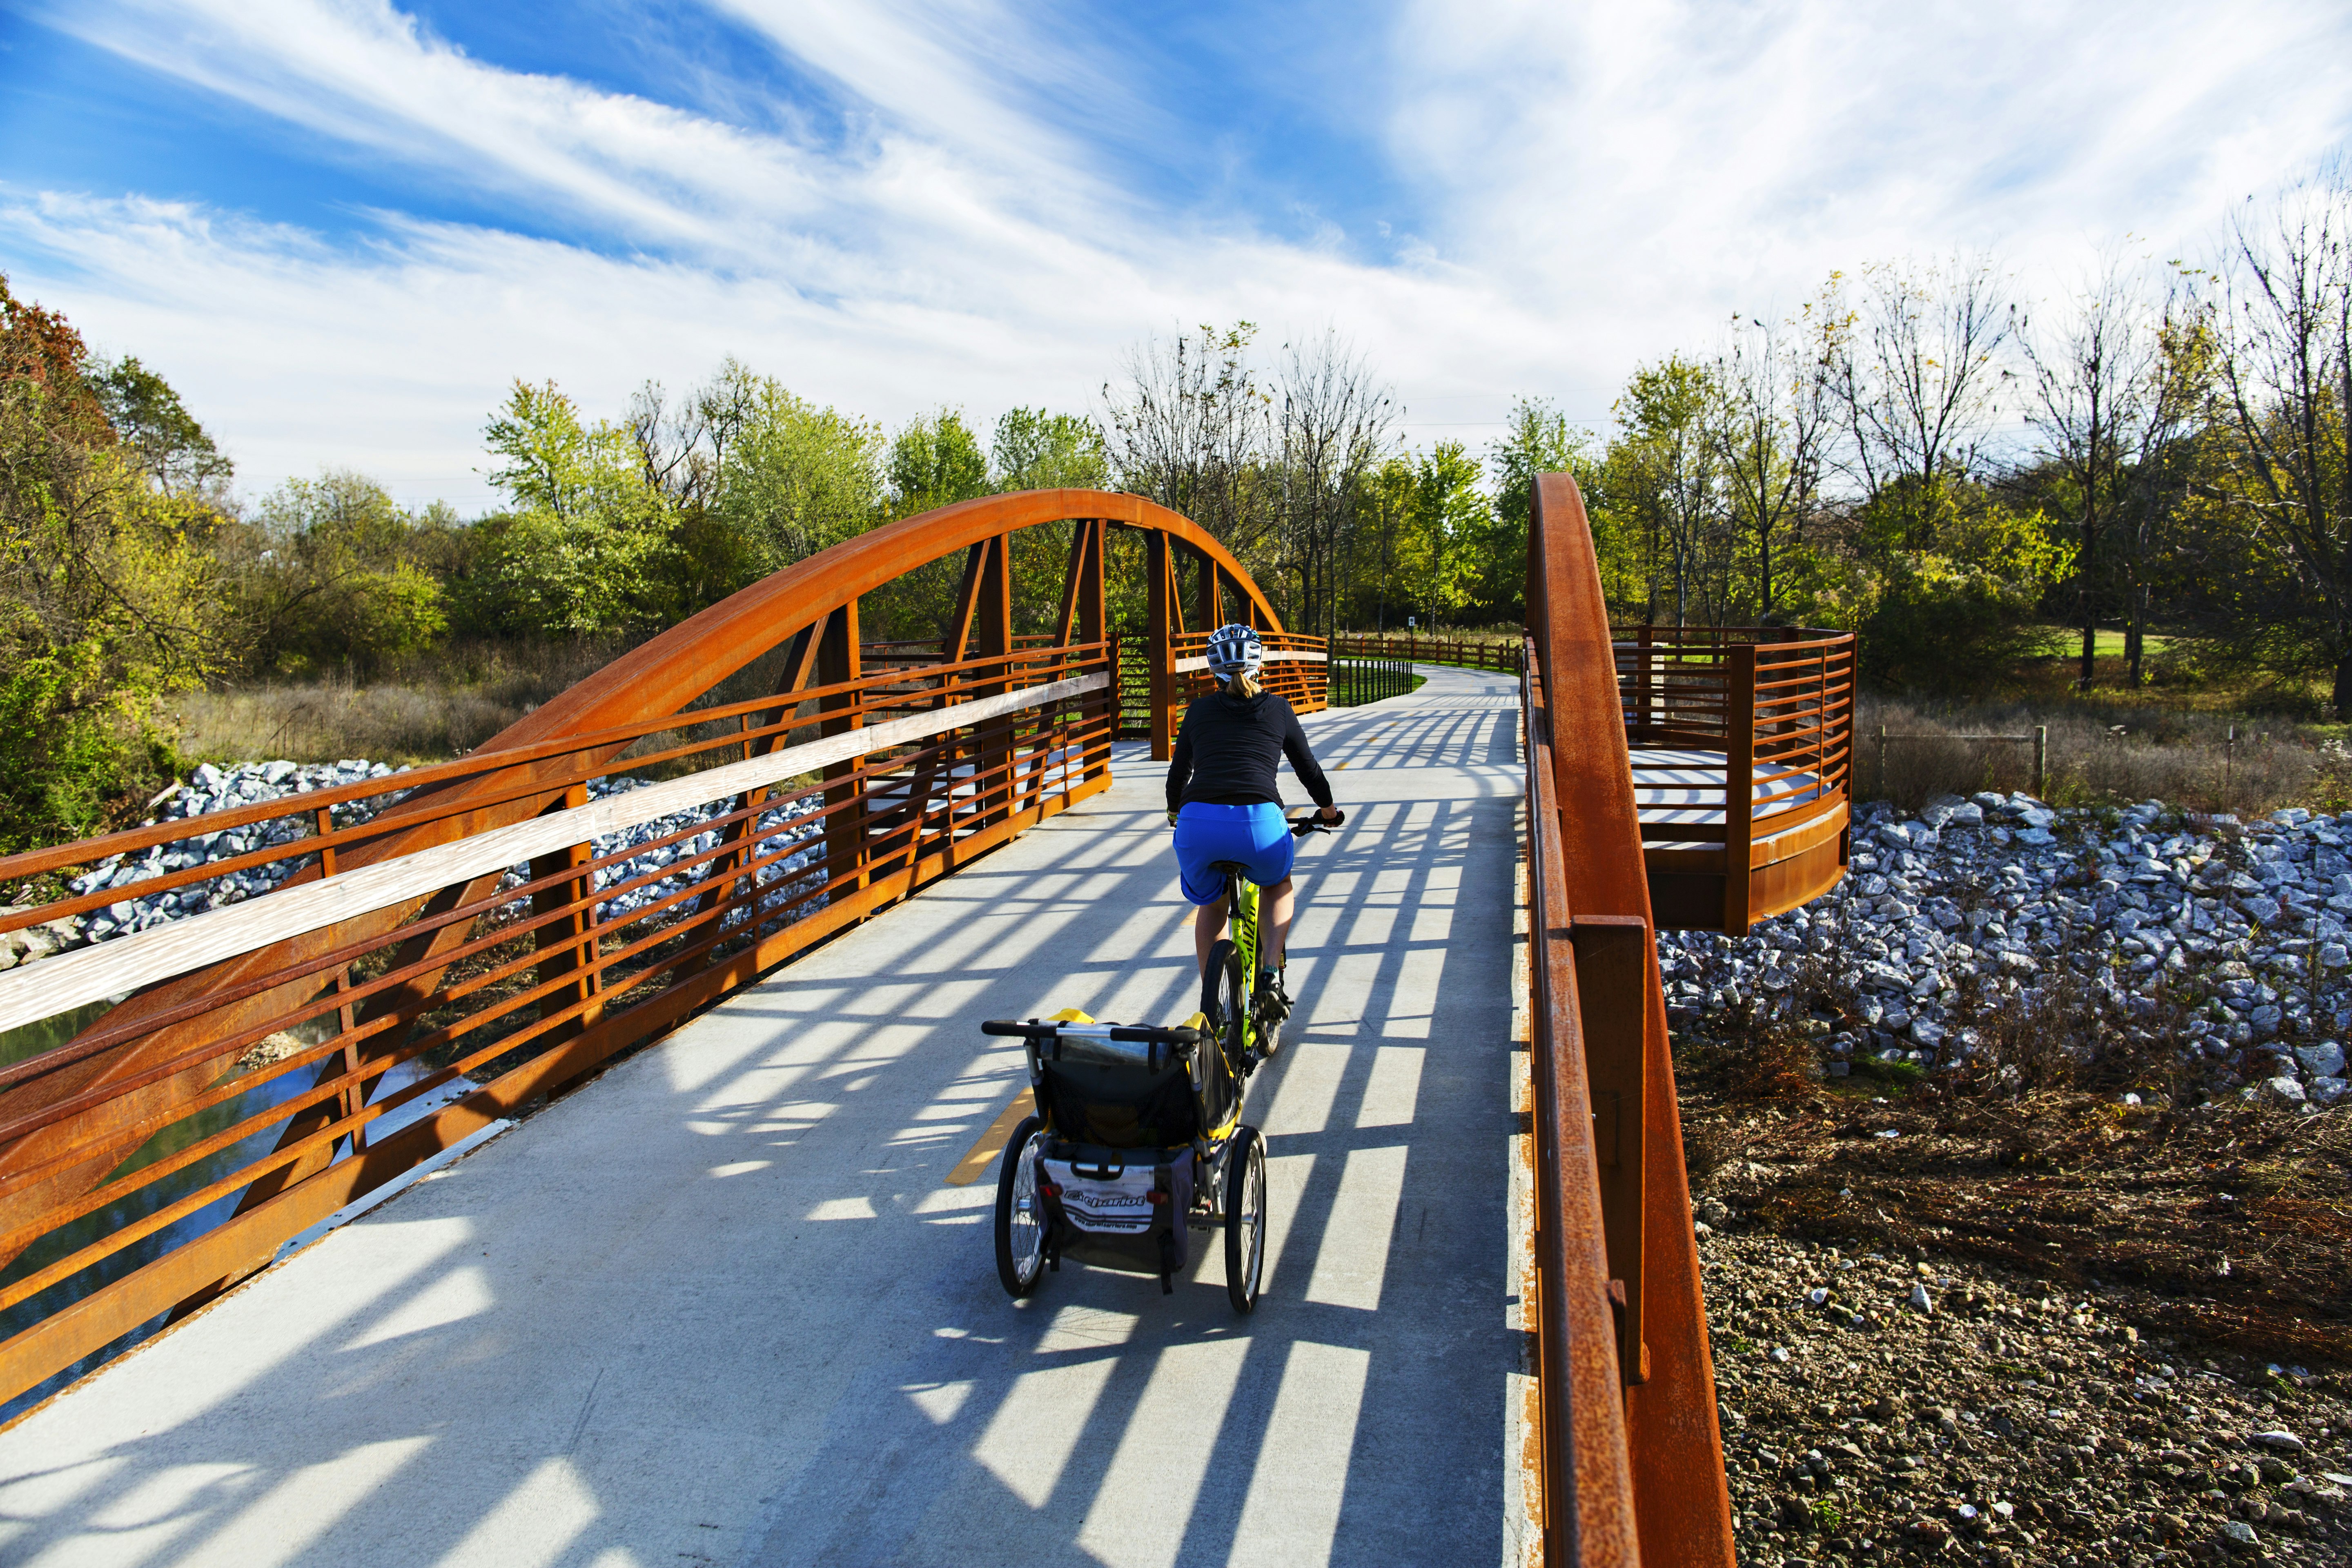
[(1208, 925), (1277, 906)]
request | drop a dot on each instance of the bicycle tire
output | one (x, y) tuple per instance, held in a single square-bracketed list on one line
[(1224, 998), (1020, 1257), (1244, 1218)]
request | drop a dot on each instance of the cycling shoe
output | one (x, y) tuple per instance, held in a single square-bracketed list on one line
[(1273, 1003)]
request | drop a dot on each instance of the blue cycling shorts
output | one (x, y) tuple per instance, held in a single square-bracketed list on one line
[(1256, 835)]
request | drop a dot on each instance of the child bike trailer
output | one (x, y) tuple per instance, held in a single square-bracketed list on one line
[(1138, 1143)]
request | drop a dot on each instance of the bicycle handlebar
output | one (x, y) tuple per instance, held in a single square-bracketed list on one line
[(1135, 1034), (1300, 826)]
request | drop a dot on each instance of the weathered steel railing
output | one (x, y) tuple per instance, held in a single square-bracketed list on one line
[(1632, 1464), (442, 947), (1294, 669), (1708, 707), (1501, 656)]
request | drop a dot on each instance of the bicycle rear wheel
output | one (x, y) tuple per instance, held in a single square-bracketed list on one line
[(1244, 1218), (1224, 998)]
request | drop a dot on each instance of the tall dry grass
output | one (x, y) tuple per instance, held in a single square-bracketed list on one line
[(429, 711), (2096, 755)]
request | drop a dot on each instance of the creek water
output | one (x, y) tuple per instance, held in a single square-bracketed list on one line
[(266, 1092)]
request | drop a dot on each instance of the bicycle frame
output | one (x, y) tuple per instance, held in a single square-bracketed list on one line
[(1241, 921)]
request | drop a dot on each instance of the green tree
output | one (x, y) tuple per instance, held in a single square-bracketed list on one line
[(1959, 613), (1773, 434), (1189, 428), (794, 478), (156, 428), (1538, 439), (585, 548), (330, 572), (935, 460), (1451, 522), (108, 596), (2286, 395), (1666, 479), (1035, 450)]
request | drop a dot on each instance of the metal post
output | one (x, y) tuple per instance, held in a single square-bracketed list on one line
[(1087, 627), (2041, 760), (1644, 718), (993, 639), (1613, 969), (1880, 780), (839, 660), (1739, 786), (567, 943), (1155, 649), (354, 1096)]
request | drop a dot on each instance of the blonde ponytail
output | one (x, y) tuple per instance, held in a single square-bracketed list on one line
[(1243, 684)]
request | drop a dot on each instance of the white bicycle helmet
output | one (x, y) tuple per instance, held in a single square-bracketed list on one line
[(1234, 650)]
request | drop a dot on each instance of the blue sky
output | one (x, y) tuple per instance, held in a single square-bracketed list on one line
[(344, 227)]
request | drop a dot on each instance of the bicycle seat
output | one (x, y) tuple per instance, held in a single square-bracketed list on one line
[(1228, 866)]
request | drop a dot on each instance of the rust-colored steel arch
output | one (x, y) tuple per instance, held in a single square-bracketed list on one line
[(662, 676), (892, 816)]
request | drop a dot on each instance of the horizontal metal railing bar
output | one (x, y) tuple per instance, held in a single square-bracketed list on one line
[(391, 821), (142, 958), (306, 802), (100, 1038), (245, 1242), (1936, 737), (606, 962)]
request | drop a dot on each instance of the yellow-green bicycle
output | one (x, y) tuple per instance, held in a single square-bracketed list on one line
[(1236, 1014)]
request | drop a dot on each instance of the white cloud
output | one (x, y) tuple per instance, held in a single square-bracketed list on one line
[(1603, 187)]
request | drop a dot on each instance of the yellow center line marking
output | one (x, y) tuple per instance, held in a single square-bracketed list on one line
[(982, 1154)]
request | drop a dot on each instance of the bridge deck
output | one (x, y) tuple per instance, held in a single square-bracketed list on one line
[(722, 1306)]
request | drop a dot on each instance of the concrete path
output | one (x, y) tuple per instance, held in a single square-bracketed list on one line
[(721, 1307)]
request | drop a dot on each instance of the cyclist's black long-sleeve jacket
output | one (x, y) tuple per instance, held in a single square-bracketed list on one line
[(1229, 747)]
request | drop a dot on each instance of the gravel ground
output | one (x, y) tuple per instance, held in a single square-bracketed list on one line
[(2220, 946), (1897, 1408), (2023, 1169)]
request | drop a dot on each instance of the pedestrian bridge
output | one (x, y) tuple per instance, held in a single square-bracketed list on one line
[(482, 1281)]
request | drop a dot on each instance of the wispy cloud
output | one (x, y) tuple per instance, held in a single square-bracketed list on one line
[(998, 198)]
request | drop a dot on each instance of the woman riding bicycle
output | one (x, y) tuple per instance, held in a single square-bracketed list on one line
[(1224, 804)]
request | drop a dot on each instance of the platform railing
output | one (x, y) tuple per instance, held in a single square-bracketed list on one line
[(1499, 655), (1296, 668), (1631, 1467), (1783, 697), (1763, 715)]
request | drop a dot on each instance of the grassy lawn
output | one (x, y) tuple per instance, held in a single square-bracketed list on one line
[(2108, 644)]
